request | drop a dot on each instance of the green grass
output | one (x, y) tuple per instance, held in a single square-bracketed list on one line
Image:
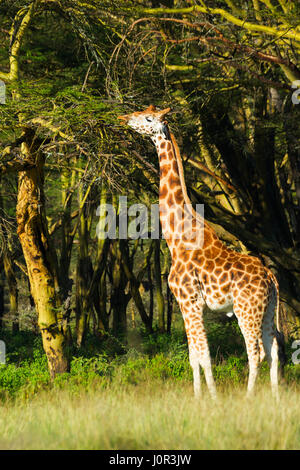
[(139, 396)]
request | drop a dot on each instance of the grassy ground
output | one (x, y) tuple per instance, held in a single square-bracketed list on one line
[(140, 397), (158, 415)]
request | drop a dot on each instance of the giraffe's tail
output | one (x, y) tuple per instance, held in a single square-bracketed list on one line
[(279, 334)]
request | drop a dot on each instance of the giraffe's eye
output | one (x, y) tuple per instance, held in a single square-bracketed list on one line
[(149, 119)]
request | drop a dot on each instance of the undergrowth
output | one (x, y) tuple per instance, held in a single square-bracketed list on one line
[(142, 358)]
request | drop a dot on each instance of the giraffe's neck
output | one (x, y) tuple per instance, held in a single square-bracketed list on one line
[(181, 225)]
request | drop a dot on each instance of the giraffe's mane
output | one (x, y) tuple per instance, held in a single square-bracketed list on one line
[(183, 186)]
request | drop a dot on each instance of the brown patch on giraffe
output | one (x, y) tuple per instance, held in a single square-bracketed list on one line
[(162, 156), (178, 196), (218, 244), (238, 275), (211, 252), (172, 221), (169, 146), (182, 293), (209, 266), (241, 284), (225, 289), (199, 257), (170, 200), (175, 291), (164, 170), (162, 145), (189, 289), (175, 166), (220, 261), (207, 238), (180, 268), (186, 279), (190, 266), (185, 256), (217, 296), (188, 237), (238, 265), (250, 268), (163, 191), (174, 181), (224, 278)]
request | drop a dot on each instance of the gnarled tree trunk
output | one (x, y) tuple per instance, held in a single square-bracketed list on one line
[(39, 257)]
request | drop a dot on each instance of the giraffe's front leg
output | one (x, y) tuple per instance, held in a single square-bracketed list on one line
[(191, 304), (198, 346)]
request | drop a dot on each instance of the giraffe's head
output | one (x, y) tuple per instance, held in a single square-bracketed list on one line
[(149, 122)]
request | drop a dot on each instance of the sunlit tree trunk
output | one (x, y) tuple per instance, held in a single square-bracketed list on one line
[(100, 289), (39, 256)]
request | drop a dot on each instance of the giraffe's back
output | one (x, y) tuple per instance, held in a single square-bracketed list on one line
[(234, 282)]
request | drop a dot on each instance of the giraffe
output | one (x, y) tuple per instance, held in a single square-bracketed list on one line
[(207, 275)]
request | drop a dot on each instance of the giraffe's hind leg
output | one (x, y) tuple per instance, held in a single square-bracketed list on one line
[(253, 352), (251, 330)]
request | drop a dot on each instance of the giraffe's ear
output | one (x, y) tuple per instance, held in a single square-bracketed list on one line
[(124, 118), (150, 109), (161, 114)]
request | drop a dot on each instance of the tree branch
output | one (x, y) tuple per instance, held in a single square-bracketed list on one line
[(290, 33)]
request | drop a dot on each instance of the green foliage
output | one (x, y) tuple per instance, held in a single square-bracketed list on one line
[(233, 370), (225, 339), (101, 365)]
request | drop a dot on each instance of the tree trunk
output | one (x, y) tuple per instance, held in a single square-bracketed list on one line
[(119, 299), (39, 256), (12, 288), (100, 290), (84, 274), (169, 307), (1, 294), (158, 288)]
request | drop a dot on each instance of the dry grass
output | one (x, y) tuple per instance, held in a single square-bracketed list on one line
[(158, 415)]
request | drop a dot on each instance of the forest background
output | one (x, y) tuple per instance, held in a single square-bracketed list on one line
[(78, 309)]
